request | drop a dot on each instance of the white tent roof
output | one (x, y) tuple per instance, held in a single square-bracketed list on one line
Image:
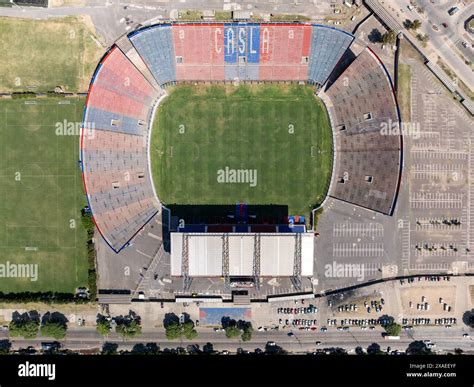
[(277, 254)]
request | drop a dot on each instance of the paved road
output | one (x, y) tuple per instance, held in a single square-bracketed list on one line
[(302, 341), (108, 16), (443, 41)]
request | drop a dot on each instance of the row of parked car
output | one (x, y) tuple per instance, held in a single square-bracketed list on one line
[(374, 304), (302, 310), (421, 321), (298, 321), (430, 278), (358, 321), (355, 321), (445, 320), (347, 308)]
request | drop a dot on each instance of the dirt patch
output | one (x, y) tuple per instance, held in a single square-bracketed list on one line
[(430, 296)]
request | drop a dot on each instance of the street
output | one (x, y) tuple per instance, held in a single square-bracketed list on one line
[(442, 40), (301, 342)]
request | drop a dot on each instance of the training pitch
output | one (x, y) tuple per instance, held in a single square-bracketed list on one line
[(41, 194), (266, 144)]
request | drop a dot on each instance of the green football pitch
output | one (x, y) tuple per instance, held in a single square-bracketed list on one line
[(265, 144), (41, 194)]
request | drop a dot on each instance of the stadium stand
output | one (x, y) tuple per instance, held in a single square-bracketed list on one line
[(131, 53), (155, 46), (199, 51), (284, 51), (106, 120), (364, 112), (126, 87), (241, 51), (327, 47), (114, 149)]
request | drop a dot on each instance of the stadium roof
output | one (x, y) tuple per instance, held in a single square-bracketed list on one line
[(277, 254)]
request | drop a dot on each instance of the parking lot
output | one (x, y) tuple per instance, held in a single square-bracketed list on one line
[(430, 231)]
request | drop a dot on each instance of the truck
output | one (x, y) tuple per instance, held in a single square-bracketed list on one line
[(453, 10), (388, 337)]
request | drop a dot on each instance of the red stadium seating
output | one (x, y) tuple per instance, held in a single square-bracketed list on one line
[(201, 50), (283, 48), (119, 103)]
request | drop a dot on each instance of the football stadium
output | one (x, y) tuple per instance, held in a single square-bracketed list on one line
[(235, 135)]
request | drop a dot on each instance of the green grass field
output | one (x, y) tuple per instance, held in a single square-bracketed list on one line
[(282, 132), (44, 54), (41, 195), (404, 90)]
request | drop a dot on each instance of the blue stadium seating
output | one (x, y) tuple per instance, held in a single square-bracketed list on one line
[(99, 119), (242, 41), (155, 46), (327, 47), (193, 228), (117, 198), (241, 228), (121, 233), (109, 160)]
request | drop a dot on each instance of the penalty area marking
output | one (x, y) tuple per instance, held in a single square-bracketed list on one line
[(315, 151)]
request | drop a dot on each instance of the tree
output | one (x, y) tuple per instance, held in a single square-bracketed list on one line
[(173, 330), (468, 318), (103, 325), (54, 325), (188, 330), (418, 348), (375, 36), (24, 325), (408, 24), (109, 349), (5, 347), (248, 330), (423, 38), (145, 349), (247, 335), (416, 24), (129, 329), (128, 326), (25, 329), (54, 329), (374, 349), (208, 349), (389, 37), (393, 329), (232, 331)]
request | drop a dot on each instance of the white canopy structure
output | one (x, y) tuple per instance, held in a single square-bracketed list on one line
[(242, 254)]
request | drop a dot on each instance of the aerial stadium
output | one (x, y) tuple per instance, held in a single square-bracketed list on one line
[(235, 135)]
